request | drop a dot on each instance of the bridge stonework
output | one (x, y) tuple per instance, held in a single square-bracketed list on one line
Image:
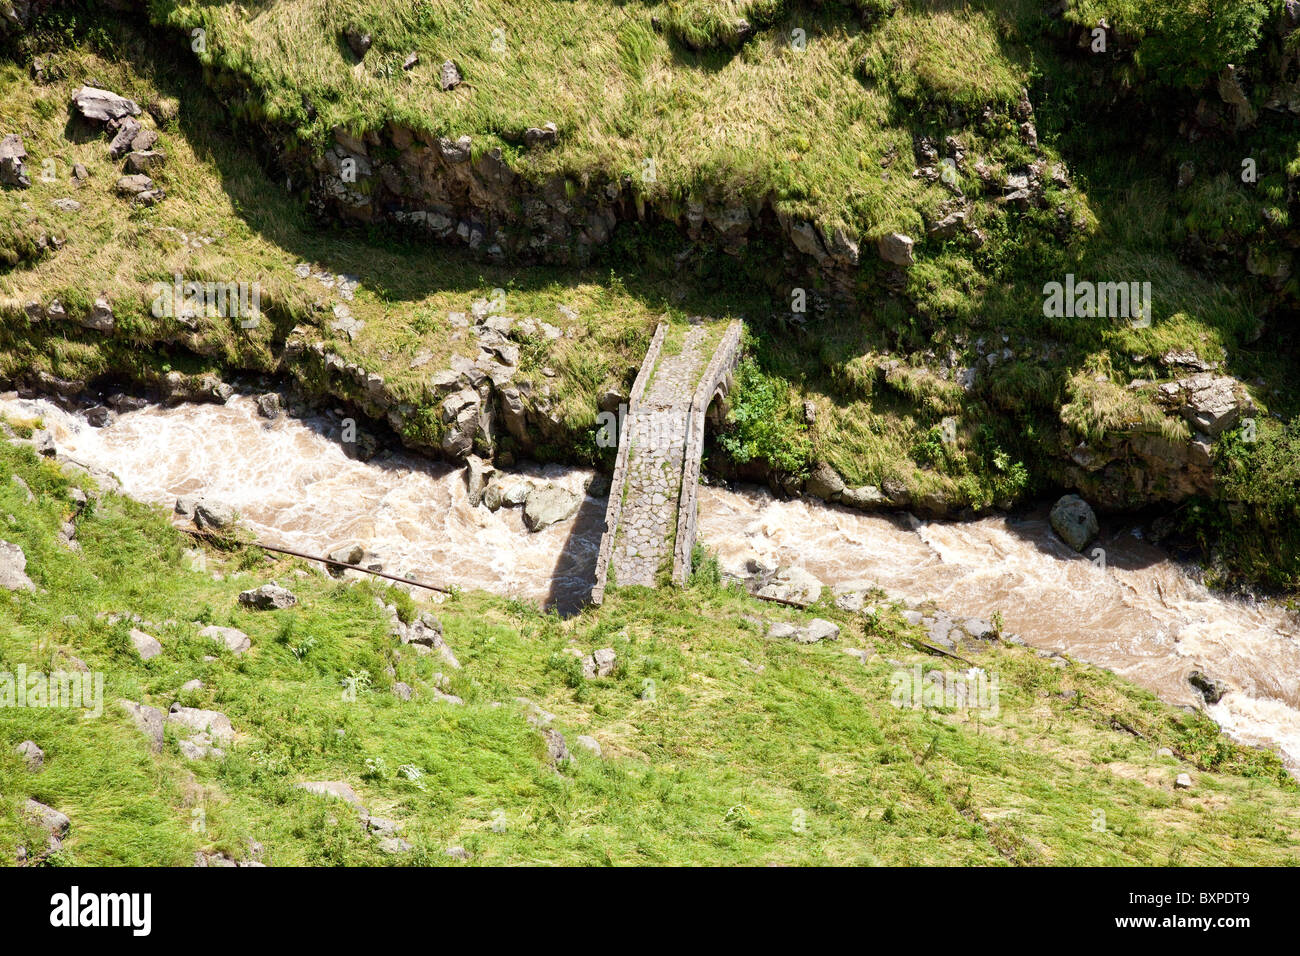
[(654, 492)]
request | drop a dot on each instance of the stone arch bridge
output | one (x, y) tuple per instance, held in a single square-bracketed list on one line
[(653, 500)]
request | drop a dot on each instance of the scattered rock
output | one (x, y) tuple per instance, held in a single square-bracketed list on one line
[(588, 743), (358, 41), (32, 755), (100, 318), (449, 76), (148, 720), (543, 136), (209, 514), (402, 691), (537, 716), (101, 106), (600, 664), (268, 597), (236, 641), (1210, 403), (896, 248), (793, 585), (336, 789), (458, 853), (819, 629), (140, 187), (1072, 518), (147, 647), (1183, 782), (411, 62), (13, 170), (55, 824), (211, 722), (13, 568), (556, 748), (194, 685), (850, 597), (394, 845)]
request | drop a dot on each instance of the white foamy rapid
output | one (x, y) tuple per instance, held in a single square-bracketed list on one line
[(1141, 615), (295, 488)]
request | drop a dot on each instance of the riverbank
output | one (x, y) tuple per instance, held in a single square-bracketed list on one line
[(720, 740), (1130, 609)]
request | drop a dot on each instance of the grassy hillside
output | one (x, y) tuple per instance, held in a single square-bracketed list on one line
[(719, 745)]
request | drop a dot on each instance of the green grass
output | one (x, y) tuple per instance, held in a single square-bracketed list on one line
[(720, 747)]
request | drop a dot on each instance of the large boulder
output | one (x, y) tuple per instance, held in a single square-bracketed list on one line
[(549, 505), (1073, 519), (13, 568), (101, 106), (1210, 403)]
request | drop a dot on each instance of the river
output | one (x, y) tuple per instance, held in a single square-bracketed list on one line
[(1141, 615)]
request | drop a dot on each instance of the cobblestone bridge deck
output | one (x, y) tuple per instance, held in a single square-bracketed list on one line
[(650, 521)]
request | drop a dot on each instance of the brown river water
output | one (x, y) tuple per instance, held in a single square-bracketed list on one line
[(1141, 615)]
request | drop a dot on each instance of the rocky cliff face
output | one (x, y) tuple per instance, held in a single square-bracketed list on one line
[(450, 191), (1133, 468)]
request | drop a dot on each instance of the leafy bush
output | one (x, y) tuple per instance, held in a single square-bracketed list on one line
[(764, 423)]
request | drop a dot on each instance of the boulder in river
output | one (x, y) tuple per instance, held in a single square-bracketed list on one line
[(1211, 689), (477, 474), (1073, 519), (549, 505)]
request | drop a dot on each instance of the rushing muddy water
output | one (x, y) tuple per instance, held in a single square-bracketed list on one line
[(1140, 615)]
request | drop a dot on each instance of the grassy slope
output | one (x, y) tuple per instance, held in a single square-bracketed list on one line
[(738, 734), (258, 233)]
